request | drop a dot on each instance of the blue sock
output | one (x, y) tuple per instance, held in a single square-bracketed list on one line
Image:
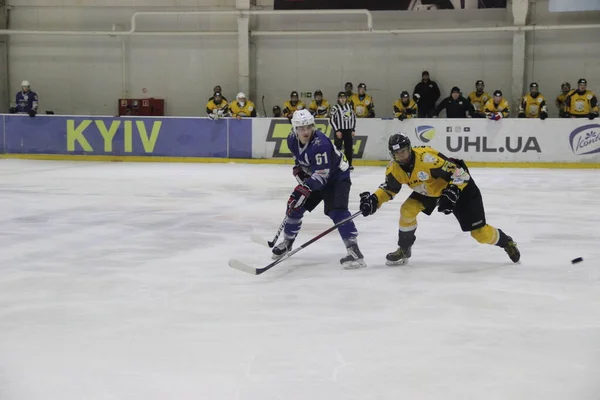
[(348, 231), (293, 224)]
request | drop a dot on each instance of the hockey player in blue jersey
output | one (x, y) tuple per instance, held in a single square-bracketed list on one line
[(27, 101), (323, 175)]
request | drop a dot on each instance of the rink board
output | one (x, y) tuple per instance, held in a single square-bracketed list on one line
[(509, 142)]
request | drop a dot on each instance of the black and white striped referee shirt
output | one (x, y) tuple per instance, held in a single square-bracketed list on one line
[(342, 118)]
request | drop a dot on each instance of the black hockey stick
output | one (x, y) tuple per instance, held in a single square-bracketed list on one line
[(233, 263), (263, 104), (258, 239)]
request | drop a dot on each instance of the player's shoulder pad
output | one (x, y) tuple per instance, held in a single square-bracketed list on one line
[(428, 155)]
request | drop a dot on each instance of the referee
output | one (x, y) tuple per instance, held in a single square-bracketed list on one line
[(343, 122)]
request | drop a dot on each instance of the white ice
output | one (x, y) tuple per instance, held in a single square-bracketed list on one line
[(114, 284)]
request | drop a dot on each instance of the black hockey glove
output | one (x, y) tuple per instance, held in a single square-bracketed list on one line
[(12, 110), (32, 113), (368, 203), (298, 198), (592, 115), (448, 199), (402, 117), (521, 115), (543, 115), (300, 175)]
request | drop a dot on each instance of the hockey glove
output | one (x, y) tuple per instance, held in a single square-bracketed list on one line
[(300, 175), (448, 199), (592, 115), (521, 115), (32, 113), (368, 203), (298, 198), (543, 115), (402, 117), (12, 110)]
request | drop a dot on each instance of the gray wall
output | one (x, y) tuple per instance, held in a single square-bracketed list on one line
[(84, 75)]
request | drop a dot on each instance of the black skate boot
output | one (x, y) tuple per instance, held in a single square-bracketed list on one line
[(398, 257), (282, 248), (354, 259), (512, 250)]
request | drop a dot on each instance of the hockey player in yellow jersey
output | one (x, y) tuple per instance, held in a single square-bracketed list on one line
[(478, 99), (581, 103), (405, 107), (496, 108), (293, 104), (319, 107), (217, 107), (363, 103), (242, 107), (560, 99), (436, 181), (533, 105)]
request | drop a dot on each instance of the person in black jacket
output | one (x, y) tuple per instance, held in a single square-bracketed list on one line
[(426, 94), (456, 105)]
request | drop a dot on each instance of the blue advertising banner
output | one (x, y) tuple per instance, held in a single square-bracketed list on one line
[(168, 137)]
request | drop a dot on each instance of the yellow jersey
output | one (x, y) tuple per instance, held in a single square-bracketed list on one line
[(248, 110), (289, 109), (432, 172), (492, 108), (560, 101), (364, 108), (217, 110), (409, 111), (478, 101), (532, 107), (319, 110), (581, 104)]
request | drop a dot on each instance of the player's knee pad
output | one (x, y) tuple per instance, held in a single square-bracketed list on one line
[(408, 214), (486, 234)]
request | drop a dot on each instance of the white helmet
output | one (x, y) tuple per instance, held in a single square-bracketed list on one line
[(240, 95), (302, 118), (25, 83)]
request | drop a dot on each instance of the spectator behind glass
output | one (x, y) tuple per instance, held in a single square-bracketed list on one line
[(362, 103), (217, 89), (478, 99), (581, 102), (27, 101), (560, 99), (242, 107), (533, 105), (497, 108), (426, 94), (456, 105)]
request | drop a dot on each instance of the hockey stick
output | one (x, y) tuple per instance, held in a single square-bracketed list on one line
[(233, 263), (263, 104), (258, 239)]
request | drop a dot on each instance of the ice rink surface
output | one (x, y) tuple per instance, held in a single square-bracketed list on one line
[(114, 284)]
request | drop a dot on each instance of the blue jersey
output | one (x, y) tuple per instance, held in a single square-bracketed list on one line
[(320, 159), (26, 101)]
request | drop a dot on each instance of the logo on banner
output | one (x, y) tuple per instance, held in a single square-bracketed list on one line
[(585, 140), (479, 144), (425, 133), (279, 130), (458, 129)]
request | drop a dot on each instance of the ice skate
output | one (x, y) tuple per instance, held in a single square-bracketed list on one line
[(512, 250), (282, 248), (398, 257), (354, 259)]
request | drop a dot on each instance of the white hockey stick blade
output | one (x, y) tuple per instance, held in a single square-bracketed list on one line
[(240, 266), (259, 240)]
